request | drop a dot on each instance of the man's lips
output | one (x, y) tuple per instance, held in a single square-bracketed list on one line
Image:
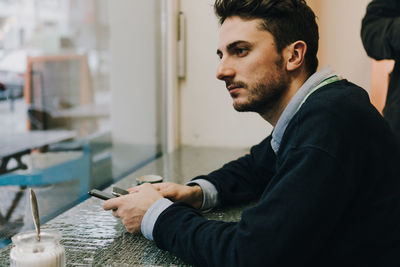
[(230, 85), (233, 89)]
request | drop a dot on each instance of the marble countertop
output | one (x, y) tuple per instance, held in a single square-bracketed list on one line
[(93, 237)]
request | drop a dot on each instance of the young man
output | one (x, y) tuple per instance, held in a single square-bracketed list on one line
[(327, 179), (380, 34)]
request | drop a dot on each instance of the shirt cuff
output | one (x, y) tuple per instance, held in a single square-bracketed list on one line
[(210, 194), (151, 216)]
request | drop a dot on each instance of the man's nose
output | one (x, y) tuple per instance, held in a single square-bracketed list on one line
[(225, 71)]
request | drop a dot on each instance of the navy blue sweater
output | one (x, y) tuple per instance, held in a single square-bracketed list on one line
[(330, 197)]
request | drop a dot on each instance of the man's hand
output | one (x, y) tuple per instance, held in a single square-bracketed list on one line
[(132, 207), (193, 195)]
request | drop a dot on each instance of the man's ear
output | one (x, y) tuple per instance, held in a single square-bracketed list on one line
[(295, 55)]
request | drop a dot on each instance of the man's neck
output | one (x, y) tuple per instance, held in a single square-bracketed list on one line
[(273, 114)]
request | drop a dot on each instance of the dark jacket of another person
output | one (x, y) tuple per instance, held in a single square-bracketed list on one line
[(380, 34)]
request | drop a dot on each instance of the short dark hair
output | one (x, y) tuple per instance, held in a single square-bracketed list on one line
[(287, 20)]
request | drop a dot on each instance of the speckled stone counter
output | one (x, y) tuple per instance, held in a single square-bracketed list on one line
[(93, 237)]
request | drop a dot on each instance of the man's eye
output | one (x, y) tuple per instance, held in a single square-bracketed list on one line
[(241, 51)]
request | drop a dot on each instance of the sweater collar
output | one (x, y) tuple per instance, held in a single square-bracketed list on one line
[(301, 95)]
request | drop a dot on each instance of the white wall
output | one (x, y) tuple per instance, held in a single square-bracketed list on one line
[(207, 116)]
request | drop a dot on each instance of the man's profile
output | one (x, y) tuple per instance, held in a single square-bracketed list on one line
[(326, 181)]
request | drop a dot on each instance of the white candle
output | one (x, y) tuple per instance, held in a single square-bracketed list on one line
[(27, 251)]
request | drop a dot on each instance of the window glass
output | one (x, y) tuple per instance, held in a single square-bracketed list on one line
[(79, 101)]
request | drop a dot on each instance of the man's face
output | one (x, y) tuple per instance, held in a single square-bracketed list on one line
[(253, 71)]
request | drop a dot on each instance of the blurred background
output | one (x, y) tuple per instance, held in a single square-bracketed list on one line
[(80, 100)]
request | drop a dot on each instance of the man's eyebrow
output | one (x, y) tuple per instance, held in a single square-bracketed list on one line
[(232, 45)]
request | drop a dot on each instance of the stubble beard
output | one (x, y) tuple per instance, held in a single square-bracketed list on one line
[(264, 96)]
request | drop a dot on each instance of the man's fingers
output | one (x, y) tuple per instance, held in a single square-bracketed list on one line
[(164, 188), (146, 186), (115, 213), (133, 189), (159, 186), (111, 204)]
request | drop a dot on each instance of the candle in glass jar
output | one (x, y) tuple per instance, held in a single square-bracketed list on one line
[(28, 251)]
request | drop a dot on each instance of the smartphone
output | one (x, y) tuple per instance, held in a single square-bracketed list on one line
[(100, 194), (119, 191)]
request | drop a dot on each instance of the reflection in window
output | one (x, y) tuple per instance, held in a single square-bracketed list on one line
[(60, 131)]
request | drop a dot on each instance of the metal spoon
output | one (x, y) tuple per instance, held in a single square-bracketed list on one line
[(35, 213)]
